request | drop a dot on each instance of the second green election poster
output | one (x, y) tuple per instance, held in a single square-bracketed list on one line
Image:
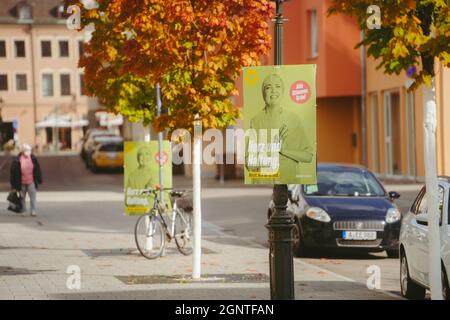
[(141, 174), (280, 124)]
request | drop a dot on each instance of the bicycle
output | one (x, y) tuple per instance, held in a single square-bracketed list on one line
[(151, 230)]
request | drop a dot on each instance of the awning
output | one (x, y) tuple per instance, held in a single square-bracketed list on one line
[(61, 122)]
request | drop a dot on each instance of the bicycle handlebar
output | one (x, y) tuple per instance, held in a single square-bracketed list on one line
[(155, 191)]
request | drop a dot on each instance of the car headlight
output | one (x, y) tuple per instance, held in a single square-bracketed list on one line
[(318, 214), (393, 215)]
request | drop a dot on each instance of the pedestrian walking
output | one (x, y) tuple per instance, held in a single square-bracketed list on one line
[(26, 176)]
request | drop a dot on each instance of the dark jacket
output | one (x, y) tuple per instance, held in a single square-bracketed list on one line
[(16, 175)]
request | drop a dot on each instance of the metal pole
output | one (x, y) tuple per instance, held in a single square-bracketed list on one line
[(431, 183), (196, 179), (281, 222), (160, 144)]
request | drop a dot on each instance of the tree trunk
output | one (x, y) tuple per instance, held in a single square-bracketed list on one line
[(434, 263)]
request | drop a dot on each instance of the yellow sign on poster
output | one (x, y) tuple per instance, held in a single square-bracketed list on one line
[(141, 174)]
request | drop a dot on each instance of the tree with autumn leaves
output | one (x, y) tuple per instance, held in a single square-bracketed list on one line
[(412, 35), (195, 49)]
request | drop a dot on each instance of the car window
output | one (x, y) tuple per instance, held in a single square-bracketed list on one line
[(345, 183), (441, 201), (111, 148), (448, 210), (415, 205), (422, 207)]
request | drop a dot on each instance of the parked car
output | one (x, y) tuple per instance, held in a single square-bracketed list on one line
[(97, 140), (414, 277), (347, 209), (107, 155), (88, 139)]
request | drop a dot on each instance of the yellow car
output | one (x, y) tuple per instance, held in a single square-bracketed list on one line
[(107, 155)]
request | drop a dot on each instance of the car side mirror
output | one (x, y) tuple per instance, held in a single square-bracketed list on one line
[(393, 195)]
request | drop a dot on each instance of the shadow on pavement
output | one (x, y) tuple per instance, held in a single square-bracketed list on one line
[(305, 290), (10, 271)]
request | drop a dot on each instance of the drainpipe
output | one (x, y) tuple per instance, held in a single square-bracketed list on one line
[(363, 102)]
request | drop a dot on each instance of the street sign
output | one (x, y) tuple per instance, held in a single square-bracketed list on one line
[(142, 172), (280, 124)]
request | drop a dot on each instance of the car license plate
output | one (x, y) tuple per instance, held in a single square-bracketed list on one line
[(359, 235), (112, 156)]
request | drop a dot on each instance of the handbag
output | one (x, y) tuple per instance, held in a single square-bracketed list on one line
[(15, 202)]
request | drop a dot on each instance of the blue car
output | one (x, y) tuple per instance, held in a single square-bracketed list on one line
[(348, 208)]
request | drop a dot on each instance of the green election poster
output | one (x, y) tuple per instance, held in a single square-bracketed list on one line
[(141, 172), (280, 124)]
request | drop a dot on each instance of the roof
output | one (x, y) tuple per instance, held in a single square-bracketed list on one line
[(43, 11)]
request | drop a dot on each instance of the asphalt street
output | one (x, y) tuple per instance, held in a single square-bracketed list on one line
[(233, 208)]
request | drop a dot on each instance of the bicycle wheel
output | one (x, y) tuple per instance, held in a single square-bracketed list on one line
[(183, 231), (149, 236)]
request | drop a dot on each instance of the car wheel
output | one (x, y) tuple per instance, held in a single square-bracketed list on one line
[(408, 288), (445, 285), (297, 244), (393, 254)]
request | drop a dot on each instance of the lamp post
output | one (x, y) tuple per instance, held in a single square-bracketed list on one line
[(281, 222)]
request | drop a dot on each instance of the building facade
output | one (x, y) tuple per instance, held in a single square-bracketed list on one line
[(394, 121), (41, 86)]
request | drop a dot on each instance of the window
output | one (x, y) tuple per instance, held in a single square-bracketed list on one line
[(46, 48), (21, 82), (19, 46), (375, 132), (60, 12), (80, 47), (313, 33), (82, 88), (3, 82), (346, 183), (415, 205), (25, 12), (422, 206), (410, 134), (65, 84), (113, 147), (2, 49), (64, 48), (47, 85)]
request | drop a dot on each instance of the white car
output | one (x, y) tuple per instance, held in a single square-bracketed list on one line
[(414, 278)]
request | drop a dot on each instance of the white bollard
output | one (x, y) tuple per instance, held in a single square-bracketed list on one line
[(149, 234)]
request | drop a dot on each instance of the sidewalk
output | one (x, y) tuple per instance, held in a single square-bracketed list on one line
[(35, 254)]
